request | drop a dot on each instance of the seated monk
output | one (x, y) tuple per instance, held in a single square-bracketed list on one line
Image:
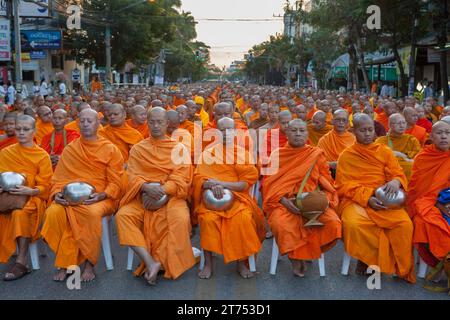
[(159, 236), (74, 232), (296, 158), (411, 118), (445, 112), (300, 112), (379, 128), (238, 232), (253, 113), (274, 110), (138, 120), (446, 119), (388, 109), (185, 123), (200, 102), (338, 139), (404, 146), (9, 126), (262, 119), (44, 124), (191, 110), (75, 111), (373, 234), (283, 121), (422, 120), (318, 127), (20, 227), (430, 175), (55, 142), (120, 133)]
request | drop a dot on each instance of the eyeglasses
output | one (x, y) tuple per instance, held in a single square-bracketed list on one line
[(398, 123)]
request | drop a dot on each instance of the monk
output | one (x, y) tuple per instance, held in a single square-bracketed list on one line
[(373, 234), (404, 146), (21, 227), (9, 126), (431, 174), (422, 120), (318, 127), (44, 124), (74, 232), (300, 112), (274, 110), (238, 232), (200, 102), (263, 117), (338, 139), (138, 120), (120, 133), (283, 121), (379, 128), (411, 118), (159, 236), (388, 109), (445, 112), (253, 113), (192, 110), (75, 111), (286, 222), (55, 142), (185, 123)]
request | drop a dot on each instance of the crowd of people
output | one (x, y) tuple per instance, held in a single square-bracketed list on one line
[(138, 145)]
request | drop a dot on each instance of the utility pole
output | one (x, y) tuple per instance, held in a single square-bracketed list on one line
[(17, 44), (108, 44), (412, 57)]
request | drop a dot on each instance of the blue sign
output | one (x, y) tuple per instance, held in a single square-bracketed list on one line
[(40, 39), (36, 55)]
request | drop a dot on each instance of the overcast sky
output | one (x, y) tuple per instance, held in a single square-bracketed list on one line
[(229, 40)]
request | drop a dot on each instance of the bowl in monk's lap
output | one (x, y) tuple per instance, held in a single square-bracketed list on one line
[(155, 204), (391, 202), (77, 192), (212, 203), (312, 205), (9, 180)]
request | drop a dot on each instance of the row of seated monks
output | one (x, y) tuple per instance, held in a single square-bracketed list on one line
[(127, 145)]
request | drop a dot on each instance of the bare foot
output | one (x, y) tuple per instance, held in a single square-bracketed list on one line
[(206, 272), (60, 276), (88, 274), (299, 268), (244, 271), (361, 269), (151, 274)]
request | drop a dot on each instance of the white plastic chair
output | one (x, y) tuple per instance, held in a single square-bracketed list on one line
[(276, 253), (106, 243), (34, 255)]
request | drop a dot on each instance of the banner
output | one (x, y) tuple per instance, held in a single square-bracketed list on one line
[(5, 40), (29, 9), (40, 39)]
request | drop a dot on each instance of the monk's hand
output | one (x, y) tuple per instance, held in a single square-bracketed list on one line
[(59, 199), (391, 188), (24, 191), (210, 183), (218, 191), (94, 198), (376, 204), (401, 155), (153, 192), (289, 204)]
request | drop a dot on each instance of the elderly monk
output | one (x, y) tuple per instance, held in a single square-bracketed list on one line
[(20, 227), (120, 133), (431, 174), (373, 234), (74, 232), (286, 222), (338, 139), (238, 232), (159, 236), (44, 123), (411, 118), (55, 142), (9, 126), (283, 121), (138, 120), (404, 146), (318, 127), (263, 117)]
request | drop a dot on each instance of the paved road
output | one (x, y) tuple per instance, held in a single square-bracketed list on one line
[(225, 284)]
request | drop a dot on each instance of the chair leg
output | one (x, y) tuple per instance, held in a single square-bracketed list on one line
[(252, 263), (202, 261), (130, 259), (34, 255), (422, 269), (106, 244), (322, 265), (274, 259), (345, 264)]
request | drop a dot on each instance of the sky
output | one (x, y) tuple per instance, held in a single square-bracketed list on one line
[(230, 40)]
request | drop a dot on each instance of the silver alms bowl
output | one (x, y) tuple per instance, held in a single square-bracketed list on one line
[(9, 180), (211, 203), (392, 203), (77, 192)]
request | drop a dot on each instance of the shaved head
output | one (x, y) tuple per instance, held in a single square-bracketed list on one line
[(297, 133), (157, 122), (440, 135), (173, 120), (26, 118), (226, 125), (138, 114), (222, 110), (340, 121), (364, 128), (45, 113), (319, 120), (446, 119)]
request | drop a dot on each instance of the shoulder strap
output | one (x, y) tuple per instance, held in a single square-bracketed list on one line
[(302, 186), (52, 141), (389, 141)]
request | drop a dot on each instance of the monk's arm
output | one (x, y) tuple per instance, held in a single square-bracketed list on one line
[(414, 149), (238, 186), (179, 182), (43, 177), (115, 175), (394, 169)]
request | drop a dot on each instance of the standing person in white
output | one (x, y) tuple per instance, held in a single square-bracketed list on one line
[(11, 93), (43, 89), (62, 89)]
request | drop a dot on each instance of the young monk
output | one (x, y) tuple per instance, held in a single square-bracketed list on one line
[(285, 220), (21, 227), (138, 120), (318, 127), (373, 234), (44, 124), (411, 118), (74, 232), (159, 236), (9, 126)]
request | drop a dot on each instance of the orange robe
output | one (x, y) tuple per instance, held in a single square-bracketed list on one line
[(383, 119), (74, 232), (244, 141), (73, 125), (58, 145), (430, 174), (333, 144), (123, 137), (236, 233), (311, 113), (164, 232), (382, 238), (142, 128), (42, 129), (282, 139), (292, 238), (35, 163), (419, 132), (406, 144), (7, 142), (315, 135)]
